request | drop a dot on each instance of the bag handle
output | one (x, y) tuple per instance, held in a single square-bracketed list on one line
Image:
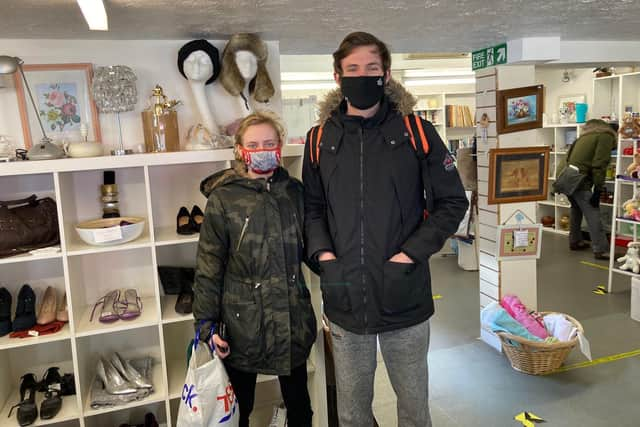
[(30, 200), (196, 339)]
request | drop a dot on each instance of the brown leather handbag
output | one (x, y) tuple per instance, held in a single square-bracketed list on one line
[(27, 224)]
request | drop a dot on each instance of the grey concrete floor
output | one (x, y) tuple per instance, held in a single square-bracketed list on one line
[(473, 385)]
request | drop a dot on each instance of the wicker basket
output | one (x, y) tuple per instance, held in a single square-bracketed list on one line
[(537, 358)]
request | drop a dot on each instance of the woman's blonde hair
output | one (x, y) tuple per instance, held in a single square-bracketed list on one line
[(258, 118)]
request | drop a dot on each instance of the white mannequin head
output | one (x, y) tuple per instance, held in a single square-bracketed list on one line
[(247, 64), (198, 66)]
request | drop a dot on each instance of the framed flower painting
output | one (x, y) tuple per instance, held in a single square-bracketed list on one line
[(62, 96)]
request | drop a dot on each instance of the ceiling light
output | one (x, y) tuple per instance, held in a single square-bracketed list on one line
[(305, 76), (95, 14), (438, 72), (432, 82), (308, 86)]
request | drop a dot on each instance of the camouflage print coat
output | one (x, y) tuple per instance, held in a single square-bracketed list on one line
[(248, 270)]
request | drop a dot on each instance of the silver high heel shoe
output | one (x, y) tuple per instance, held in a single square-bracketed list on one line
[(113, 382), (129, 372)]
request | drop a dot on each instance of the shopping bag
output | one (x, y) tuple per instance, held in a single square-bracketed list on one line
[(569, 180), (207, 398)]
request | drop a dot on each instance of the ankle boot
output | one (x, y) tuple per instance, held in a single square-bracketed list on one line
[(25, 309), (5, 312)]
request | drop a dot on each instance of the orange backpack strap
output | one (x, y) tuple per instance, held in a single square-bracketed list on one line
[(414, 126), (314, 137)]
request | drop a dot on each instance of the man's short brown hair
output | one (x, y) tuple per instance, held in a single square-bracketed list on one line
[(358, 39)]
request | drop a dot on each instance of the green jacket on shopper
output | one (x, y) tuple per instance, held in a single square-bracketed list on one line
[(248, 271), (591, 153)]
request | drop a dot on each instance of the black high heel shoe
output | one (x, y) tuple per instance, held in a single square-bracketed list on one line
[(184, 224), (196, 217), (25, 309), (27, 409), (51, 385)]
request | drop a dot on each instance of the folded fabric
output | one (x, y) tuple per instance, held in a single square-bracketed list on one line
[(496, 318), (101, 399), (38, 330), (531, 321), (560, 327)]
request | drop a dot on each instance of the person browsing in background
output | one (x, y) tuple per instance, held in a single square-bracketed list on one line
[(591, 154), (366, 233), (248, 272)]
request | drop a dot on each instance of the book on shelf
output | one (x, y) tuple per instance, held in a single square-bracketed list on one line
[(458, 116)]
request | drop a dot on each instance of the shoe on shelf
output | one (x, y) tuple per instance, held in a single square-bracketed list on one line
[(128, 372), (112, 380), (51, 385), (48, 306), (109, 312), (27, 408), (68, 385), (5, 312), (62, 315), (601, 255), (150, 420), (184, 303), (184, 224), (197, 217), (25, 309), (129, 304), (581, 245)]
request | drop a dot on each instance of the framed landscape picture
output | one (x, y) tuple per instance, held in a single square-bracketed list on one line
[(519, 109), (518, 174)]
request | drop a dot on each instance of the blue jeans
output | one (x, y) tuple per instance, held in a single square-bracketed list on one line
[(580, 206)]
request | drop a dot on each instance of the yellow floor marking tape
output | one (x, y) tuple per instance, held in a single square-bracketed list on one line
[(606, 359), (528, 419), (600, 290), (437, 296), (593, 264)]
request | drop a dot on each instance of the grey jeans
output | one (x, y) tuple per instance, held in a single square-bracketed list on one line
[(404, 352), (580, 206)]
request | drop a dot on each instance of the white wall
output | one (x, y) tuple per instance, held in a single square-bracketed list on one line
[(154, 62), (581, 83)]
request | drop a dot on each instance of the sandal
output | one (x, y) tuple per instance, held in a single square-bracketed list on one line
[(51, 385), (109, 311), (130, 306), (27, 408)]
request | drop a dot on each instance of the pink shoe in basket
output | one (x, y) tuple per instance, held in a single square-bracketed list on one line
[(532, 321)]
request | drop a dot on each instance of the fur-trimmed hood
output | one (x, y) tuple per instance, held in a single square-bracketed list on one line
[(597, 126), (400, 97)]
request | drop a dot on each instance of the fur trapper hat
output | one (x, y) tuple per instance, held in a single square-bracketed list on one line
[(261, 86), (206, 47)]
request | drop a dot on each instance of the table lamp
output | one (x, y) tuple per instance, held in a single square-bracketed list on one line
[(114, 91), (44, 150)]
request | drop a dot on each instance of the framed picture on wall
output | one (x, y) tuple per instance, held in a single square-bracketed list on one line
[(517, 242), (567, 103), (518, 174), (519, 109), (62, 94)]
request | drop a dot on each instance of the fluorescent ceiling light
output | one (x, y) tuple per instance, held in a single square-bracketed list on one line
[(94, 14), (438, 72), (433, 82), (308, 86), (305, 76)]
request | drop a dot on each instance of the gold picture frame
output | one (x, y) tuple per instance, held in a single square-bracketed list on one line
[(518, 174)]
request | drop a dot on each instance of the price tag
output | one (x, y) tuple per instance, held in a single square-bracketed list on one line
[(520, 238), (110, 234)]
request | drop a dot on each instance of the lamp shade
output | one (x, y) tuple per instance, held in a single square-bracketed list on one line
[(8, 64)]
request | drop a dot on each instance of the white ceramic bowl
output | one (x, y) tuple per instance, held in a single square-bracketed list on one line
[(107, 231), (85, 149)]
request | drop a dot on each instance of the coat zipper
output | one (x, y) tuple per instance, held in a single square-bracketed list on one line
[(362, 269), (244, 229)]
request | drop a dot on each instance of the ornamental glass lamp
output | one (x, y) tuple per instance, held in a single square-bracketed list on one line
[(45, 149), (114, 91)]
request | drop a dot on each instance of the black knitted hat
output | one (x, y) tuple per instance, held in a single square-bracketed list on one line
[(208, 48)]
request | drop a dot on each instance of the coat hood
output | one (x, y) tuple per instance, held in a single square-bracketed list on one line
[(402, 100), (597, 126), (237, 174)]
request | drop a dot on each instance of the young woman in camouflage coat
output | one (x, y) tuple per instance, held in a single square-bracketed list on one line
[(248, 273)]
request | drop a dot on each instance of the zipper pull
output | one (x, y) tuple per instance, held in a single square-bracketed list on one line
[(268, 185)]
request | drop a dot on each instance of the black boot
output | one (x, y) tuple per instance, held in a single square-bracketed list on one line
[(5, 312), (25, 309)]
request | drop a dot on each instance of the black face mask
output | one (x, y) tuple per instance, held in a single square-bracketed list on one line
[(362, 92)]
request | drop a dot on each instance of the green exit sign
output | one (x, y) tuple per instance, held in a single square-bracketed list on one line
[(488, 57)]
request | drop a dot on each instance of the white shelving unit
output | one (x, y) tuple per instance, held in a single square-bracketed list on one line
[(153, 186), (614, 95), (432, 107)]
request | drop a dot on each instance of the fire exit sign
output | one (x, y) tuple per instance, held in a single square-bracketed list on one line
[(488, 57)]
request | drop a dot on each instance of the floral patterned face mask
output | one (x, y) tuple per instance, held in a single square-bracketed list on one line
[(262, 161)]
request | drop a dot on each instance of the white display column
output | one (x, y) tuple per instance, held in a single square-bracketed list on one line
[(511, 277)]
